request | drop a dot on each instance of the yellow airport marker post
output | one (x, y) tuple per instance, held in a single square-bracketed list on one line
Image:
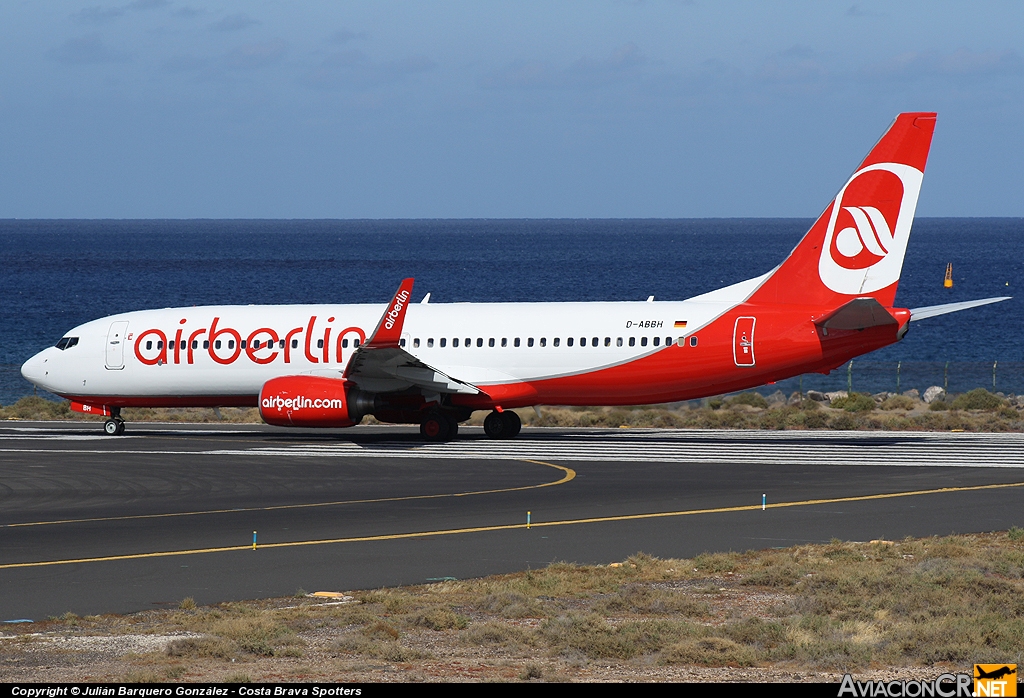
[(527, 520), (254, 540)]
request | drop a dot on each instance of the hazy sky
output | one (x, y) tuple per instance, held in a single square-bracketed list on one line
[(651, 108)]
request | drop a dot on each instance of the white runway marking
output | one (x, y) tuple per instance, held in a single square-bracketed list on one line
[(909, 449)]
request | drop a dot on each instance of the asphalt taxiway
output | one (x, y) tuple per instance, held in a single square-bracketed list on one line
[(94, 524)]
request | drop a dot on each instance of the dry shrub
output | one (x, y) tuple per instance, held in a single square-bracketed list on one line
[(257, 635), (708, 651), (647, 601), (196, 647), (511, 604), (592, 636), (439, 619), (492, 633), (898, 402), (752, 399)]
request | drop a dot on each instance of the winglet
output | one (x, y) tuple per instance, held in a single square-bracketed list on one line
[(389, 329)]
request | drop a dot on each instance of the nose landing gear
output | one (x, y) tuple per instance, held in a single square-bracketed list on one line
[(115, 425)]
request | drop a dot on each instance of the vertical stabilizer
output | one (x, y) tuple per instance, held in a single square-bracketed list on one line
[(855, 249)]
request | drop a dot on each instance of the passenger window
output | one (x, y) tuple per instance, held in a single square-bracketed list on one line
[(216, 343), (607, 341), (543, 341), (504, 341), (618, 342), (594, 341), (401, 342), (344, 344), (455, 341), (643, 341), (255, 344), (490, 342), (555, 342), (195, 343), (231, 343), (244, 343), (529, 342), (280, 344), (160, 344), (568, 342), (206, 344), (430, 342), (416, 343), (693, 341), (444, 340), (149, 345), (583, 341), (355, 342), (516, 342), (469, 342), (295, 344), (632, 341), (668, 340), (657, 341), (479, 341)]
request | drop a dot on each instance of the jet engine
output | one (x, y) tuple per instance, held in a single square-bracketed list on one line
[(313, 401)]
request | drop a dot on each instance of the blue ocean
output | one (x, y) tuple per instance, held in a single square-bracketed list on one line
[(57, 274)]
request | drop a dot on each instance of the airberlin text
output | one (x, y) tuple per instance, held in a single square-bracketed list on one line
[(225, 345), (944, 686), (301, 402), (396, 309)]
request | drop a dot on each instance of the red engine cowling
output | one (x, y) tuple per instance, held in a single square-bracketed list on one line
[(307, 401)]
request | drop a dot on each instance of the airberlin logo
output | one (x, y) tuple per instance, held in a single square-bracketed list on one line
[(301, 402), (871, 233), (868, 229), (396, 310)]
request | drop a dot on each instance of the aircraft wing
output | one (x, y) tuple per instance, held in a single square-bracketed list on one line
[(933, 310), (381, 365)]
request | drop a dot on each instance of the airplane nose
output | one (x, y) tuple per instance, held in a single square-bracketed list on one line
[(34, 369)]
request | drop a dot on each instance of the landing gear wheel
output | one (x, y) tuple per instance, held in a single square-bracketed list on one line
[(453, 427), (113, 427), (435, 427), (495, 425), (513, 425)]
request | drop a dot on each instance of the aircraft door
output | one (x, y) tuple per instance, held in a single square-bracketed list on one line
[(743, 341), (115, 344)]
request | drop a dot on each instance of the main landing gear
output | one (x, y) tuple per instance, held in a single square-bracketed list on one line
[(439, 426), (115, 425), (502, 425)]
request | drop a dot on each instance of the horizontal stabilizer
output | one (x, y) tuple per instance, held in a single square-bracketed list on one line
[(858, 314), (933, 310)]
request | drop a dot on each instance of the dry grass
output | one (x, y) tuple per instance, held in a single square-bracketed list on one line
[(916, 604)]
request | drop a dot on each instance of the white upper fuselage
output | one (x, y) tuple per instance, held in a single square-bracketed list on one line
[(171, 353)]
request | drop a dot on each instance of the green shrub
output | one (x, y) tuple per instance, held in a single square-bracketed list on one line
[(939, 406), (855, 402), (977, 399), (752, 399)]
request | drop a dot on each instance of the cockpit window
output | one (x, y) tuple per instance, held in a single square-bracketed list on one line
[(67, 343)]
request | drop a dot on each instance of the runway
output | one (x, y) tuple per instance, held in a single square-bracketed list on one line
[(94, 524)]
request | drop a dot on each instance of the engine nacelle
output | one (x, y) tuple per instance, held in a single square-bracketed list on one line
[(312, 401)]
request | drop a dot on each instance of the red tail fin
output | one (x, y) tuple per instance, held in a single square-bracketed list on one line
[(855, 249)]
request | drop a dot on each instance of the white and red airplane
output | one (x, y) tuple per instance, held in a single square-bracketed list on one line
[(434, 364)]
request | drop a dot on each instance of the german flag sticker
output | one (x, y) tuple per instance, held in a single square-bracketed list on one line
[(680, 323)]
